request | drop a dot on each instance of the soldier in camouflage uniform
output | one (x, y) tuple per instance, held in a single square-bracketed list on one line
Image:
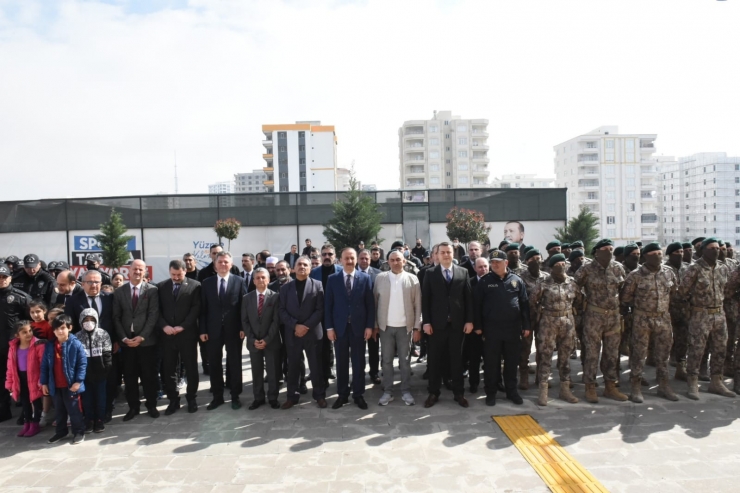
[(696, 243), (552, 305), (688, 253), (552, 248), (679, 311), (576, 260), (531, 276), (513, 255), (631, 262), (731, 312), (732, 290), (602, 279), (648, 290), (619, 254), (703, 286)]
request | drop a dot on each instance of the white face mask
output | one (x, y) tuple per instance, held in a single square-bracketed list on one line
[(88, 326)]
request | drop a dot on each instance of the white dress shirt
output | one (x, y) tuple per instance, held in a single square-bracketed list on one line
[(396, 311)]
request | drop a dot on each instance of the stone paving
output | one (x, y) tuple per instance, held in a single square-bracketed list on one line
[(656, 446)]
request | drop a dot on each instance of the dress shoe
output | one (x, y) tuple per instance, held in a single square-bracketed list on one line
[(236, 404), (173, 407), (214, 404), (431, 400), (192, 406), (321, 403), (288, 404), (341, 401), (131, 414), (490, 400), (255, 405), (375, 379), (275, 404), (360, 401), (515, 398), (153, 412), (473, 388), (302, 389), (462, 401)]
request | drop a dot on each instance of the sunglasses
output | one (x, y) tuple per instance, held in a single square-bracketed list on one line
[(328, 254)]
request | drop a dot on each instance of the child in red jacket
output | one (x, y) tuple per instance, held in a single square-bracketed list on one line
[(42, 330), (22, 378)]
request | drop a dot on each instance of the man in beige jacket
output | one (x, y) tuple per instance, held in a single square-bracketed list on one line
[(398, 305)]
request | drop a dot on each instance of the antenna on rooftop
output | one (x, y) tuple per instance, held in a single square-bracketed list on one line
[(176, 191)]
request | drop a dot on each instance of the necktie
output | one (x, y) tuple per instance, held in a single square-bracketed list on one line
[(260, 304), (348, 285), (94, 304), (135, 298), (447, 275), (175, 290), (222, 290)]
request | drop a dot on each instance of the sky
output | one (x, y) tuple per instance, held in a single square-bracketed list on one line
[(98, 97)]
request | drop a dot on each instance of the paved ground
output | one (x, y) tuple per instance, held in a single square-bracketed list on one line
[(656, 446)]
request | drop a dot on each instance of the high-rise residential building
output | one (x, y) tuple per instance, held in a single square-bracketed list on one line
[(523, 181), (250, 182), (615, 176), (700, 196), (444, 152), (221, 187), (369, 188), (300, 157)]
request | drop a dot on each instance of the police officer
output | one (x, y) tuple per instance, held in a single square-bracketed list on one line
[(92, 262), (37, 283), (531, 276), (13, 307), (502, 315), (678, 310), (10, 261)]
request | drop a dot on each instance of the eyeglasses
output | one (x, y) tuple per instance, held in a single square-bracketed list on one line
[(327, 254)]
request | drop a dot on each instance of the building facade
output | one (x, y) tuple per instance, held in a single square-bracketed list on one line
[(523, 181), (221, 187), (444, 152), (300, 157), (615, 176), (250, 182), (700, 196)]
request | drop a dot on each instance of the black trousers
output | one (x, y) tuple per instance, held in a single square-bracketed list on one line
[(445, 357), (473, 355), (179, 349), (140, 363), (203, 347), (327, 357), (4, 393), (113, 381), (297, 371), (373, 356), (234, 345), (494, 350), (261, 360)]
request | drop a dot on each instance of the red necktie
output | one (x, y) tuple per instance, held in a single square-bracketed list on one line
[(134, 299), (260, 304)]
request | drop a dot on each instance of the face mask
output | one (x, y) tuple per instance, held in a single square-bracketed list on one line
[(631, 261), (653, 261), (88, 326), (406, 253), (711, 255), (455, 243), (605, 255), (558, 270), (533, 267)]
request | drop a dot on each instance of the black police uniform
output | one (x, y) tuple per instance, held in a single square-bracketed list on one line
[(502, 312), (13, 307), (39, 287)]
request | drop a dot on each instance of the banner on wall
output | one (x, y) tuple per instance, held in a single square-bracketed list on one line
[(537, 233), (85, 244)]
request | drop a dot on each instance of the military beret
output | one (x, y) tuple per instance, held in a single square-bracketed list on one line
[(501, 245), (511, 246), (628, 249), (396, 244), (697, 240), (531, 253), (687, 245), (528, 248), (574, 255), (673, 247), (638, 243), (651, 247), (555, 259), (619, 250), (577, 244), (602, 243), (565, 245), (552, 244), (709, 240)]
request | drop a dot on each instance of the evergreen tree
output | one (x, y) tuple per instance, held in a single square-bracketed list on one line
[(467, 225), (583, 227), (113, 241), (356, 218)]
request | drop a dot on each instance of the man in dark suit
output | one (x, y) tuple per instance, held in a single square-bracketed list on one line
[(474, 252), (135, 314), (260, 325), (210, 269), (179, 310), (373, 344), (291, 256), (301, 312), (67, 287), (447, 314), (220, 325), (349, 311), (321, 274), (283, 276), (473, 346), (247, 272)]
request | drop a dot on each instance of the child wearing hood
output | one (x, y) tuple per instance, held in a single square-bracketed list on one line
[(98, 349)]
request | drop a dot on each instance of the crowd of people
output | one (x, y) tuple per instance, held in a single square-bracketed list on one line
[(72, 344)]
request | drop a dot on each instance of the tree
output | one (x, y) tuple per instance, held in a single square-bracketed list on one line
[(113, 241), (582, 227), (356, 218), (227, 228), (466, 225)]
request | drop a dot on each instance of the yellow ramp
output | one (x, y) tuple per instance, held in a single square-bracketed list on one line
[(555, 466)]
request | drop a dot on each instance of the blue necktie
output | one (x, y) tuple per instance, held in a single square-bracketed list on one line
[(447, 275), (348, 285), (175, 290), (222, 290)]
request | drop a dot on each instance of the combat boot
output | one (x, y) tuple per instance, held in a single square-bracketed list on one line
[(736, 383), (636, 395), (693, 384), (665, 390), (542, 399), (610, 391), (703, 372), (718, 387), (680, 371), (566, 395), (591, 394), (524, 379)]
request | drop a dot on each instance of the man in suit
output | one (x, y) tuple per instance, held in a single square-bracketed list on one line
[(66, 287), (135, 314), (321, 274), (220, 325), (301, 313), (473, 346), (474, 252), (247, 272), (282, 272), (373, 344), (260, 325), (447, 307), (349, 310), (179, 310), (210, 269), (291, 256)]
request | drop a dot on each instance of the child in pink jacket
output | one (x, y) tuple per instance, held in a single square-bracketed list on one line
[(24, 371)]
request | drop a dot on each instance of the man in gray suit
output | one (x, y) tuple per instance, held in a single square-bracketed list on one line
[(179, 309), (260, 326), (135, 315)]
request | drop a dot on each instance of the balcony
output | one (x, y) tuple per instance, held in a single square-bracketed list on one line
[(648, 185), (588, 184), (480, 183), (479, 132), (649, 218), (414, 144), (590, 158), (590, 200), (268, 169), (413, 130), (480, 147), (268, 183), (648, 196), (267, 157), (267, 143), (414, 170), (480, 159), (414, 183)]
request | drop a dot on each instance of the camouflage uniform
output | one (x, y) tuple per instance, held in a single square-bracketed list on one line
[(601, 322), (680, 315), (703, 286), (518, 269), (626, 339), (530, 282), (546, 268), (552, 305), (731, 312), (732, 290), (578, 318), (649, 294)]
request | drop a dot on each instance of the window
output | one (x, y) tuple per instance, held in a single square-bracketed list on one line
[(434, 167), (433, 154), (611, 232), (630, 144), (592, 196), (462, 166), (303, 174), (630, 219), (447, 122), (301, 135), (447, 136), (631, 207), (631, 194), (432, 129), (609, 156), (284, 188), (630, 157), (447, 161), (462, 128), (282, 148), (610, 144), (282, 135), (283, 175), (609, 182), (434, 180), (609, 170), (630, 182), (302, 160), (301, 147), (610, 195), (630, 170), (462, 180), (447, 149), (463, 141), (434, 142), (303, 188), (610, 220), (610, 207), (462, 153), (448, 173)]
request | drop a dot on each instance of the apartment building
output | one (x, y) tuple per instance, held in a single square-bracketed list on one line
[(523, 181), (615, 176), (250, 182), (444, 152), (221, 187)]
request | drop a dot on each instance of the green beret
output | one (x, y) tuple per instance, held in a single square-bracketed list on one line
[(651, 247), (630, 248), (602, 243), (559, 257), (552, 244), (687, 245), (577, 244), (531, 253), (511, 246), (574, 255), (638, 243), (528, 248), (697, 240), (619, 250), (565, 245), (709, 240), (505, 242), (673, 247)]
